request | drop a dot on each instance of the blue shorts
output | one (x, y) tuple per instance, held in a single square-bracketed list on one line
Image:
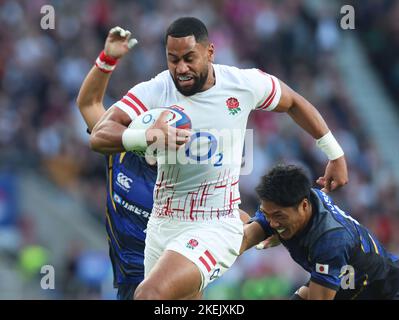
[(126, 291)]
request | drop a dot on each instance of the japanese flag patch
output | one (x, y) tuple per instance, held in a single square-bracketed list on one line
[(322, 268)]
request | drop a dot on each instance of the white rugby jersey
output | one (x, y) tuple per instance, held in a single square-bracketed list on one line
[(204, 184)]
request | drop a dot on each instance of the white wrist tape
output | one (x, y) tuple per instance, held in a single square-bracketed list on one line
[(134, 139), (330, 146)]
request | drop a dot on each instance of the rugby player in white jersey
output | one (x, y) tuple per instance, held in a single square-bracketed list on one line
[(195, 232)]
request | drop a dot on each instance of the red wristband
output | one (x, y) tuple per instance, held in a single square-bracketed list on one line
[(106, 63)]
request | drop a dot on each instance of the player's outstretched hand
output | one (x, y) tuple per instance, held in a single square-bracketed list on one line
[(161, 135), (335, 176), (270, 242), (118, 42)]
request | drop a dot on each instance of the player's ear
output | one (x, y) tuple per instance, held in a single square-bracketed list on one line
[(304, 204)]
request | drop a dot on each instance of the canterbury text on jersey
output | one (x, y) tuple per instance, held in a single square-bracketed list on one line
[(130, 185)]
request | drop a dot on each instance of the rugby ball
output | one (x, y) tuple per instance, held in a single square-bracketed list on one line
[(176, 118)]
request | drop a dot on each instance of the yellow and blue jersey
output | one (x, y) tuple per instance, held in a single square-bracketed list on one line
[(130, 185), (333, 247)]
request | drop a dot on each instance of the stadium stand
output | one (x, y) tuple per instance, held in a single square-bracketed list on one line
[(42, 136)]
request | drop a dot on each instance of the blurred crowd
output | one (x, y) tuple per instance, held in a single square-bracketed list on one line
[(40, 127), (378, 22)]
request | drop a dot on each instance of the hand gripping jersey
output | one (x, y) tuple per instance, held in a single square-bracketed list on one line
[(203, 182), (130, 185), (341, 254)]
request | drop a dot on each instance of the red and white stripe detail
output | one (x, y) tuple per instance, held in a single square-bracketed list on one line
[(207, 260), (106, 63), (131, 103), (266, 105)]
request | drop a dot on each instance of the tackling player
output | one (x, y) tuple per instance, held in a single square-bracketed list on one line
[(195, 232), (344, 259), (130, 185)]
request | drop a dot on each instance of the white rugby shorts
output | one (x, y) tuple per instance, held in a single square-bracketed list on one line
[(211, 245)]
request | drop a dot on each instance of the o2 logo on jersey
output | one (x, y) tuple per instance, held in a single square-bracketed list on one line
[(123, 181), (200, 155), (215, 147), (148, 118)]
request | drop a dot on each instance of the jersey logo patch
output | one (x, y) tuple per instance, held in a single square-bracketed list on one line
[(123, 181), (233, 106), (117, 198), (215, 274), (192, 244), (322, 268)]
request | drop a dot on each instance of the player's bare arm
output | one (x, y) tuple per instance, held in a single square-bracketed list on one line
[(303, 292), (90, 99), (263, 244), (253, 234), (244, 216), (318, 292), (107, 135), (91, 94), (308, 118)]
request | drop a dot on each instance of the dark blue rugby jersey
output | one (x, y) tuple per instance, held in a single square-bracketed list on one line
[(333, 240), (130, 185)]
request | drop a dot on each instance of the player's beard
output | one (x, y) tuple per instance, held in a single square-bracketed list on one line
[(199, 82)]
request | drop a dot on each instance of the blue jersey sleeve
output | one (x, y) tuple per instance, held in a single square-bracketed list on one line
[(328, 256), (260, 218)]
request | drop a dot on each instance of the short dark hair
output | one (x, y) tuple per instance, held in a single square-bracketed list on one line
[(284, 185), (188, 26)]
